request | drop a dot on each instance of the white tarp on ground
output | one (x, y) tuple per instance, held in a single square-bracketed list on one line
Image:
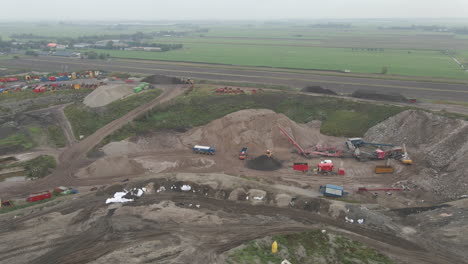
[(118, 196)]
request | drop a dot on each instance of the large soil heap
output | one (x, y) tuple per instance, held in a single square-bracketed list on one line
[(107, 94), (439, 148), (258, 130)]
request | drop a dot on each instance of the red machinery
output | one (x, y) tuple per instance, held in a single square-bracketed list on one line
[(39, 196), (40, 89), (325, 166), (301, 150), (364, 189), (301, 167)]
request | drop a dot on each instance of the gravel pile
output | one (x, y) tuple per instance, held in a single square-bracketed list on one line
[(264, 163), (438, 147), (317, 89), (373, 95), (161, 79)]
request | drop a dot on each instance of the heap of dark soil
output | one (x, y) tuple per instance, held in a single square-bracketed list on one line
[(161, 79), (373, 95), (318, 89), (264, 163)]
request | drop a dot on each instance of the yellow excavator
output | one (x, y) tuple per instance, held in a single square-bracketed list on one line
[(405, 159)]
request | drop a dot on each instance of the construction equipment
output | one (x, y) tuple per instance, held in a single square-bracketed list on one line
[(203, 150), (353, 143), (301, 167), (405, 159), (325, 166), (243, 154), (301, 150), (269, 153), (383, 169), (332, 190)]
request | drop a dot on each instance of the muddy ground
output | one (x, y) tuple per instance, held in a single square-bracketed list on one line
[(169, 225), (228, 203)]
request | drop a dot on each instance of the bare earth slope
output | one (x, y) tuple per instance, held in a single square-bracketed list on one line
[(439, 146)]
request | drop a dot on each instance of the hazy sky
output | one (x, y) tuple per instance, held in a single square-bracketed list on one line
[(228, 9)]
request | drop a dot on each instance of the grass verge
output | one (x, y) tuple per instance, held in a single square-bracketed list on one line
[(86, 121), (56, 136), (307, 248)]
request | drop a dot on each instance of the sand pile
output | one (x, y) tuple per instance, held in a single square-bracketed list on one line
[(439, 148), (318, 89), (107, 94), (382, 96), (258, 130), (161, 79), (110, 167), (264, 163)]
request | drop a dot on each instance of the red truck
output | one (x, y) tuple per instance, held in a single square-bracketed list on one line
[(39, 196)]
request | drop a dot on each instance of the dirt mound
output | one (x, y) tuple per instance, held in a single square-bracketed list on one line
[(381, 96), (258, 130), (111, 167), (318, 89), (161, 79), (107, 94), (264, 163), (439, 148)]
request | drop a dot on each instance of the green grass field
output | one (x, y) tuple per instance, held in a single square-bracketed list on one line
[(399, 62), (297, 45)]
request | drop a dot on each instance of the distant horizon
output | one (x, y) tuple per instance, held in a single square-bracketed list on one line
[(331, 19), (236, 10)]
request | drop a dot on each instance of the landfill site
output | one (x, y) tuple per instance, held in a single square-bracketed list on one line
[(202, 194)]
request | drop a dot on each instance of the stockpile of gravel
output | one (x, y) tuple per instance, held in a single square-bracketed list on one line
[(374, 95), (318, 89), (264, 163), (438, 147), (161, 79)]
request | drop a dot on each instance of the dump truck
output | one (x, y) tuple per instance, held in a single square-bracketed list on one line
[(332, 190), (203, 150), (383, 169), (243, 154)]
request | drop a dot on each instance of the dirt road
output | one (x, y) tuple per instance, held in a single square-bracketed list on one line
[(71, 158), (339, 83)]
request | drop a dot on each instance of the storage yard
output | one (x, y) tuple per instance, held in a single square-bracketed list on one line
[(199, 194)]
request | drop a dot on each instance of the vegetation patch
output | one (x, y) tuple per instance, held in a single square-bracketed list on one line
[(19, 141), (38, 167), (56, 136), (192, 111), (86, 121), (308, 247)]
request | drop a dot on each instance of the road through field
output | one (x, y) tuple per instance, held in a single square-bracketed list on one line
[(298, 79)]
